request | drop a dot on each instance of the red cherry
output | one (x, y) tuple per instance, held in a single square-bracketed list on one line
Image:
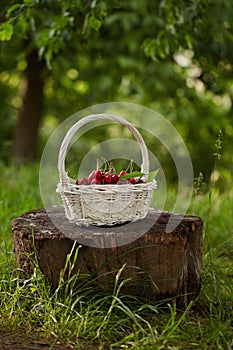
[(77, 182), (122, 182), (91, 175), (140, 181), (95, 182), (123, 172), (99, 175), (83, 181), (115, 178), (132, 180), (108, 179)]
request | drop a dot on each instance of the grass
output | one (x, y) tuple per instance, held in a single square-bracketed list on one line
[(88, 318)]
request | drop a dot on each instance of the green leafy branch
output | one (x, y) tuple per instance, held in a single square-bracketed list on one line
[(150, 178)]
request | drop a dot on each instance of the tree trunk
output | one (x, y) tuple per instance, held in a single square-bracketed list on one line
[(157, 265), (26, 136)]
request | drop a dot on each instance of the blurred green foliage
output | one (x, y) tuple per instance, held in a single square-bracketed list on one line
[(172, 56)]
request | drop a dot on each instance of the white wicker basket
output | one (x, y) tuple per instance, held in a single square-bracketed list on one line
[(104, 204)]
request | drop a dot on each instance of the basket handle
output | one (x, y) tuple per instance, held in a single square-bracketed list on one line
[(64, 179)]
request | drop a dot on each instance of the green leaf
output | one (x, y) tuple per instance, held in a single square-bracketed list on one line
[(22, 27), (29, 3), (6, 31), (152, 175), (94, 23), (12, 9), (133, 174)]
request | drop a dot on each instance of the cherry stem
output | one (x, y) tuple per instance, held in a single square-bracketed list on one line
[(130, 166), (98, 164)]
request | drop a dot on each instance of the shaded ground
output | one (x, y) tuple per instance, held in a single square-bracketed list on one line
[(14, 341), (20, 341)]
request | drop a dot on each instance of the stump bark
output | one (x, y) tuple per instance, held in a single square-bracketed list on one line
[(157, 264)]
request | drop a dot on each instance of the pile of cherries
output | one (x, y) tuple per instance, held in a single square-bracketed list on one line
[(100, 177)]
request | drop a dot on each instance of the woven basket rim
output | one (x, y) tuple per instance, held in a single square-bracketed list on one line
[(105, 187)]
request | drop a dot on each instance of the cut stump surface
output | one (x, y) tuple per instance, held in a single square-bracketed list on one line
[(157, 264)]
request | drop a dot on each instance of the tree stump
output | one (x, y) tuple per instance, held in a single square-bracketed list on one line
[(157, 264)]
